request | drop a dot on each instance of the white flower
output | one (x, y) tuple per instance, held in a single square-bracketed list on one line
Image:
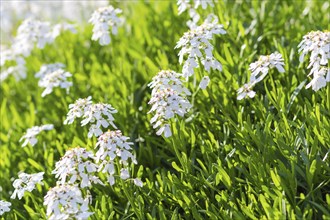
[(138, 182), (168, 97), (98, 115), (196, 46), (66, 202), (245, 91), (29, 33), (124, 174), (318, 44), (55, 78), (113, 146), (261, 67), (4, 207), (78, 109), (26, 182), (204, 83), (259, 71), (6, 55), (48, 68), (18, 71), (102, 19), (192, 6), (75, 166), (320, 79), (166, 129), (31, 133), (34, 32)]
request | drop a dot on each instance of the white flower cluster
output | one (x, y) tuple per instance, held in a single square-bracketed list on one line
[(30, 33), (95, 114), (102, 19), (113, 147), (259, 71), (26, 182), (196, 46), (66, 202), (318, 44), (168, 97), (31, 133), (75, 166), (192, 7), (4, 207), (52, 75), (18, 70)]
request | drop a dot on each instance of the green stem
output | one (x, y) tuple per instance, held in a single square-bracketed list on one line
[(131, 201), (328, 94)]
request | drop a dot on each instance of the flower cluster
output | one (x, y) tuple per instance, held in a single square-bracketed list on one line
[(259, 71), (114, 147), (12, 12), (318, 44), (18, 70), (31, 133), (168, 97), (66, 202), (26, 182), (4, 207), (196, 47), (30, 33), (95, 114), (52, 75), (192, 7), (102, 19), (74, 166)]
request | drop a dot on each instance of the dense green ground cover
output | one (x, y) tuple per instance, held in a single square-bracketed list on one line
[(261, 158)]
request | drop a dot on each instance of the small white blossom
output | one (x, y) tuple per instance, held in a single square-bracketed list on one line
[(66, 202), (113, 146), (26, 182), (6, 55), (98, 115), (204, 83), (34, 32), (56, 78), (48, 68), (316, 43), (31, 133), (29, 33), (245, 91), (78, 109), (76, 166), (192, 6), (4, 207), (168, 98), (259, 71), (320, 79), (18, 71), (195, 46), (138, 182), (103, 19), (124, 174), (261, 67)]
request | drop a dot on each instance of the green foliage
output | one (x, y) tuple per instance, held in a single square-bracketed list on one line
[(264, 158)]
